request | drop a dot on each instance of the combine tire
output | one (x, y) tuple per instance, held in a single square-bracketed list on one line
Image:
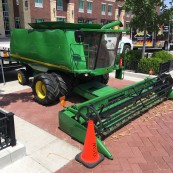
[(44, 88), (103, 78), (126, 49), (166, 46), (22, 77), (63, 85)]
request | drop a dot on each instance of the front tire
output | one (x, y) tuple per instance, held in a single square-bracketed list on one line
[(44, 89), (22, 77)]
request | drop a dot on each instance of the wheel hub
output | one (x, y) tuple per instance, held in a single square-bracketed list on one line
[(19, 77), (40, 89)]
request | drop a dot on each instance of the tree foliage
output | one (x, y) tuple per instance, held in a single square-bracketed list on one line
[(146, 14)]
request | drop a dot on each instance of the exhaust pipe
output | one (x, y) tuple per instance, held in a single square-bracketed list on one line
[(112, 24)]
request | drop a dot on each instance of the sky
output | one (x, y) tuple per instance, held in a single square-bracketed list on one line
[(167, 2)]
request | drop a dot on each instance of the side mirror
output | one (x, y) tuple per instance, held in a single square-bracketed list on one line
[(79, 36)]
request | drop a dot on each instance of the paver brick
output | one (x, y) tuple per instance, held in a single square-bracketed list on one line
[(161, 163), (148, 166), (171, 165), (136, 168), (145, 131), (125, 164), (146, 142), (160, 150), (112, 168), (162, 171), (148, 171), (121, 150), (148, 157), (168, 159)]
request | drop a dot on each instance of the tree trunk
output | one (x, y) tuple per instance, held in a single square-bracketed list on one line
[(143, 49)]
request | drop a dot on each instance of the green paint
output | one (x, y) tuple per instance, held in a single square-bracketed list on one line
[(171, 95)]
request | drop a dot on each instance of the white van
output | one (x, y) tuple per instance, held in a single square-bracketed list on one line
[(124, 46)]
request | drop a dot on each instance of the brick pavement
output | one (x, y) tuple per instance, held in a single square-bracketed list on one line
[(143, 146)]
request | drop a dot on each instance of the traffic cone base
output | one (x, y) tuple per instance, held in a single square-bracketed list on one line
[(90, 157), (89, 164)]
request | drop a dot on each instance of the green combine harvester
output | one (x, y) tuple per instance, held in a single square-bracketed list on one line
[(67, 57)]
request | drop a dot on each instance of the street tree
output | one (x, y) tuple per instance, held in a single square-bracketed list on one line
[(147, 15)]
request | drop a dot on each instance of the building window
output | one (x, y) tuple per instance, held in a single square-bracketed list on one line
[(39, 3), (104, 21), (103, 9), (6, 17), (60, 19), (127, 13), (39, 20), (81, 5), (110, 10), (80, 20), (59, 5), (17, 22), (89, 21), (119, 11), (89, 7), (26, 5), (17, 2)]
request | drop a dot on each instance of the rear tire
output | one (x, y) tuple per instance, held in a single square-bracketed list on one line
[(23, 77), (44, 88)]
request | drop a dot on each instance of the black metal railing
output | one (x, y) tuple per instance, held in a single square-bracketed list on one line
[(131, 65), (7, 130), (142, 67), (145, 67)]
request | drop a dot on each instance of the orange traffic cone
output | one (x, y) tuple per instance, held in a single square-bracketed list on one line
[(90, 156)]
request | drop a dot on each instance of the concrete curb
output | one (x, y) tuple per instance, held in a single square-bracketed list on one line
[(11, 154), (131, 76), (137, 75)]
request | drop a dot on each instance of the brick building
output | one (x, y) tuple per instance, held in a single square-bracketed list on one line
[(18, 13)]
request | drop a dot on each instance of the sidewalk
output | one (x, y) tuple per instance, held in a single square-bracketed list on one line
[(45, 153)]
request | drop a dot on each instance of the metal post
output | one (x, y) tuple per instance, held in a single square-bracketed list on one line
[(2, 69), (11, 129)]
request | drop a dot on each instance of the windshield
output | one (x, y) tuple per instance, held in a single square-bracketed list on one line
[(100, 49)]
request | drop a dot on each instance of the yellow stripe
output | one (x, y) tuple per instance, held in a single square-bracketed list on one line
[(39, 62)]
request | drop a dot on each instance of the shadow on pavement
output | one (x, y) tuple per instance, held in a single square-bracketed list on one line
[(7, 99)]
